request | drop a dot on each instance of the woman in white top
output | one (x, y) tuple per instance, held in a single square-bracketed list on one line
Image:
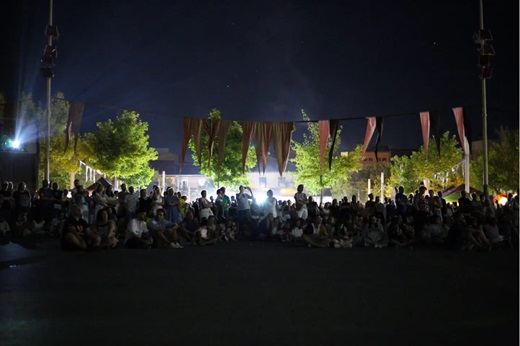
[(204, 206), (270, 204), (301, 202), (100, 200), (157, 199)]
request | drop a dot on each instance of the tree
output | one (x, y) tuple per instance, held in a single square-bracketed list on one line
[(437, 171), (503, 161), (121, 149), (309, 170), (229, 172)]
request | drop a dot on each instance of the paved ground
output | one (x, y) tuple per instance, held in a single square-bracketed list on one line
[(256, 294)]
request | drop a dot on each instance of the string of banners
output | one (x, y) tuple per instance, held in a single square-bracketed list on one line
[(262, 134)]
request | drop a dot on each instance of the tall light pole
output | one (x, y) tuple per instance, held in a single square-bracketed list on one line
[(486, 50), (48, 58)]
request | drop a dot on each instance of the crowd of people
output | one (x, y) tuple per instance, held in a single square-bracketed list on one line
[(108, 219)]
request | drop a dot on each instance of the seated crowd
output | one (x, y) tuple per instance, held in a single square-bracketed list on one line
[(107, 219)]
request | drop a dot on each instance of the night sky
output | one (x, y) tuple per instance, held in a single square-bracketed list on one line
[(267, 60)]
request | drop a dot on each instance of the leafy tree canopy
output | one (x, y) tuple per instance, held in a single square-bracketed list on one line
[(121, 149), (308, 166), (229, 172), (438, 171), (503, 164)]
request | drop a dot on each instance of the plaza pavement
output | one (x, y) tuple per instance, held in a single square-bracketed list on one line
[(257, 293)]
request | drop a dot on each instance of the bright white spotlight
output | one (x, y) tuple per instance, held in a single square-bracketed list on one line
[(16, 144)]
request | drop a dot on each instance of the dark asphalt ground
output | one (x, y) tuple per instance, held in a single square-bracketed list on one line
[(251, 293)]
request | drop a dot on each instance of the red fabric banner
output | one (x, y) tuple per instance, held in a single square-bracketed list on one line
[(435, 122), (225, 125), (425, 126), (282, 134), (247, 135), (74, 122), (458, 112), (371, 126), (262, 139), (196, 131), (186, 135), (324, 129), (211, 126), (334, 126)]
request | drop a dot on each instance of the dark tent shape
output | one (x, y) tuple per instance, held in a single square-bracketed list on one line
[(454, 189), (103, 181)]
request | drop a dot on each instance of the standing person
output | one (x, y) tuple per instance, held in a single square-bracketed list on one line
[(145, 203), (121, 195), (243, 206), (81, 199), (171, 206), (131, 203), (401, 202), (46, 202), (271, 205), (157, 199), (57, 195), (218, 205), (100, 200), (226, 203), (301, 202), (204, 206), (22, 200)]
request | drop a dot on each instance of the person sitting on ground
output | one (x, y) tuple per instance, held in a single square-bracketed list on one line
[(5, 229), (137, 235), (396, 236), (456, 238), (316, 234), (492, 233), (188, 227), (57, 223), (76, 233), (340, 233), (105, 229), (206, 233), (373, 233), (475, 236), (264, 228), (164, 232), (434, 231), (296, 231)]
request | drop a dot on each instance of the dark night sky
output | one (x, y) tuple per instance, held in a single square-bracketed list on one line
[(267, 60)]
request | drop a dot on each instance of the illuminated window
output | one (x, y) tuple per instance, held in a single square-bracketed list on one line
[(282, 182), (262, 181)]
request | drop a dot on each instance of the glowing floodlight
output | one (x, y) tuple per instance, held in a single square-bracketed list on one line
[(15, 144)]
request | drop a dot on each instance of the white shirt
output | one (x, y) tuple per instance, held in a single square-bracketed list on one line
[(135, 229), (131, 201)]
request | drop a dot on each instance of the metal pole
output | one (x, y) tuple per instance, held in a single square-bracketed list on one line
[(484, 115), (48, 141)]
